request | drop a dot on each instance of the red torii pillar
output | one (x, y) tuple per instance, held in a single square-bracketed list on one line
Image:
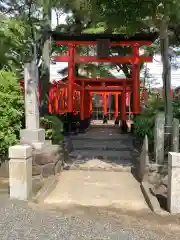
[(82, 98), (105, 103), (71, 77), (86, 104), (123, 105), (90, 107), (136, 80), (116, 105)]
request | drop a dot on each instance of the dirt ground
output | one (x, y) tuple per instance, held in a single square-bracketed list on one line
[(167, 225)]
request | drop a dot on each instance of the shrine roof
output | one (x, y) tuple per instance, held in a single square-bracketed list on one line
[(143, 36)]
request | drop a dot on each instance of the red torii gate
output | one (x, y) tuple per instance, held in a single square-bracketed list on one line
[(84, 87)]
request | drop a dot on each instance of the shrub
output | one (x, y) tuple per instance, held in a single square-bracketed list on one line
[(11, 111), (176, 109), (144, 125), (53, 128)]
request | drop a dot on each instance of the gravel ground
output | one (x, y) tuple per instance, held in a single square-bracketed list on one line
[(20, 220)]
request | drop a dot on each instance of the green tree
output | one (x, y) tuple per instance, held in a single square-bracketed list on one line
[(11, 111), (138, 15)]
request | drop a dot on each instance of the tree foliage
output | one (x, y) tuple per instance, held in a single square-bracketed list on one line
[(24, 26), (11, 110)]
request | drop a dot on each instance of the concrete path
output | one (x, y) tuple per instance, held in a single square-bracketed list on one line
[(107, 157), (97, 188)]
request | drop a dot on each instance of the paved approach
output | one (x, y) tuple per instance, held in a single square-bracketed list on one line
[(100, 173), (19, 221), (98, 188)]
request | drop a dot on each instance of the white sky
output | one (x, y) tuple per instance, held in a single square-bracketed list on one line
[(155, 68), (54, 21)]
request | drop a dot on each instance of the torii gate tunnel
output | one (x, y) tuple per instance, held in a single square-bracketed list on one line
[(75, 95)]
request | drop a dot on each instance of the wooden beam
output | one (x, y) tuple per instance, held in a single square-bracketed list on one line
[(64, 85), (86, 59), (100, 80), (106, 89), (93, 43), (109, 84)]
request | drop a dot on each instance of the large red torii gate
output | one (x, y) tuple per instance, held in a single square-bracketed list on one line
[(82, 88)]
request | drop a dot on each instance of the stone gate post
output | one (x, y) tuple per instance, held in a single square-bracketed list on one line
[(173, 200), (20, 172), (159, 138), (32, 135)]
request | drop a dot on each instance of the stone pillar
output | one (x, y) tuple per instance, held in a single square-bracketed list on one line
[(173, 200), (159, 138), (175, 135), (20, 171), (143, 161), (32, 135)]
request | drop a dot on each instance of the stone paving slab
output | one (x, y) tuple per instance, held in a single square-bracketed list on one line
[(105, 154), (97, 165), (105, 144), (100, 189)]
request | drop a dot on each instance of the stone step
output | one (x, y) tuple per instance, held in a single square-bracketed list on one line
[(105, 148), (97, 164), (112, 155), (100, 137), (104, 145)]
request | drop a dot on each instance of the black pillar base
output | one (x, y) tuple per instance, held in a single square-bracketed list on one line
[(84, 124), (132, 128), (67, 122), (105, 119), (124, 126), (116, 122)]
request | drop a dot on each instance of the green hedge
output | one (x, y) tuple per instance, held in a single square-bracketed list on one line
[(176, 109), (144, 123), (11, 111), (53, 128)]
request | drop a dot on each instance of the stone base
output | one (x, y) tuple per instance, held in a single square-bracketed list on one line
[(105, 119), (34, 138), (124, 126), (47, 161), (41, 145), (34, 135)]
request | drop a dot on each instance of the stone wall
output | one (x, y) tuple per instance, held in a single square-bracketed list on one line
[(48, 161)]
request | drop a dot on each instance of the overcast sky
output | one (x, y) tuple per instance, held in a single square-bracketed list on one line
[(155, 67)]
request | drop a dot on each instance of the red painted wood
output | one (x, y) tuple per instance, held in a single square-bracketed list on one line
[(71, 77), (110, 84), (136, 82), (82, 101), (90, 108), (86, 59), (123, 105), (92, 43), (100, 80), (116, 105), (105, 103), (104, 89)]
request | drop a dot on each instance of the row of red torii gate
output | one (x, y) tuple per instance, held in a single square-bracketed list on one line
[(74, 95)]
